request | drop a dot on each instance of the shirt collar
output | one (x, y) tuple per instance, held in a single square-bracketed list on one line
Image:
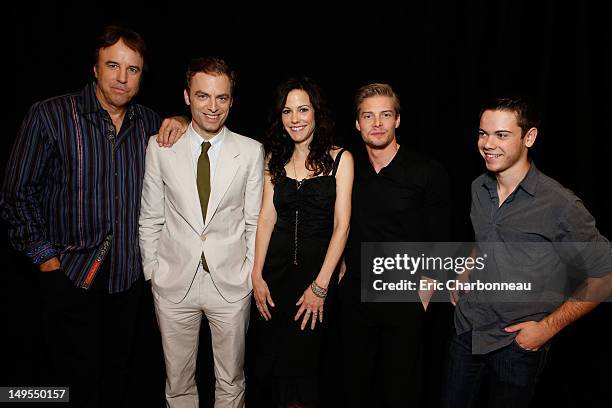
[(91, 104), (530, 181), (197, 140), (528, 184)]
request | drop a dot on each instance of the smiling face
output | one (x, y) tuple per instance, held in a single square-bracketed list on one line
[(377, 122), (210, 98), (118, 72), (298, 116), (501, 142)]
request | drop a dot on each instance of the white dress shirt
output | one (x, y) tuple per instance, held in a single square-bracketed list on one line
[(213, 153)]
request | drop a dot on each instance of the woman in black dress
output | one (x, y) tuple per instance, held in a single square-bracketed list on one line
[(301, 234)]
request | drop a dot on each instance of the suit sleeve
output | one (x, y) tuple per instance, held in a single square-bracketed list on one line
[(252, 202), (152, 217)]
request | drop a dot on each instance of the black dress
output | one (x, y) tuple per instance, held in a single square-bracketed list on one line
[(285, 358)]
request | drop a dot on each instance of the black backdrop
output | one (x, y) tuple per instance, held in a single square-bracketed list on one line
[(444, 58)]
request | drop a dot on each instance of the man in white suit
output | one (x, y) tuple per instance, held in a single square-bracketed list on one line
[(199, 209)]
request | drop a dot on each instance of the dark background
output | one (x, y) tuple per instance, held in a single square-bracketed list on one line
[(443, 58)]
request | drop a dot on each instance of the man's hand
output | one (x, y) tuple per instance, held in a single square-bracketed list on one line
[(464, 277), (50, 265), (454, 296), (171, 130), (532, 335), (425, 295)]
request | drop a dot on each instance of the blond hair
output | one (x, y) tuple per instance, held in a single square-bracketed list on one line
[(375, 89)]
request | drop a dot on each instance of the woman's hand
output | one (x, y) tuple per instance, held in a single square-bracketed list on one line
[(262, 296), (311, 306)]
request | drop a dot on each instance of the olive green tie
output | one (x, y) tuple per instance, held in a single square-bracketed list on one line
[(203, 183)]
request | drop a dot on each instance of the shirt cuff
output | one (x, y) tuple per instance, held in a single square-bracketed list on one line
[(41, 253)]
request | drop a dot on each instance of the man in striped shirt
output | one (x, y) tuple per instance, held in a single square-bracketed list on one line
[(71, 198)]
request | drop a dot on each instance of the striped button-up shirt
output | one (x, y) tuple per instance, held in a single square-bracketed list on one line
[(72, 180)]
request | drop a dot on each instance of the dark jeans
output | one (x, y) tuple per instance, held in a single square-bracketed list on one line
[(89, 334), (511, 371)]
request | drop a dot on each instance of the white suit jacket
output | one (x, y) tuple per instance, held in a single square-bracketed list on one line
[(173, 234)]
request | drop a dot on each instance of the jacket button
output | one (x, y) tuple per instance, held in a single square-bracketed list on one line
[(203, 237)]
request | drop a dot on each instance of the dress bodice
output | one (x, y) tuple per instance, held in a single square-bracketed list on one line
[(312, 204)]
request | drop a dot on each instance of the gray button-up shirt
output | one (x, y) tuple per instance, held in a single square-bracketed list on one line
[(541, 232)]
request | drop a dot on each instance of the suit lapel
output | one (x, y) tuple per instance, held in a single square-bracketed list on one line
[(182, 166), (227, 166)]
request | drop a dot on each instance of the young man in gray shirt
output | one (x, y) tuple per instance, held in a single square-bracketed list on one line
[(533, 231)]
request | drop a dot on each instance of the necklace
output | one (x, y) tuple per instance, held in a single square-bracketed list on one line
[(298, 183)]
